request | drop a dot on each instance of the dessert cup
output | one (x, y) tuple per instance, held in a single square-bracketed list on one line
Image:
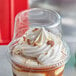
[(37, 48)]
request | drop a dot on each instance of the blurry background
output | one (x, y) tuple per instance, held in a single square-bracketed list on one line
[(67, 10)]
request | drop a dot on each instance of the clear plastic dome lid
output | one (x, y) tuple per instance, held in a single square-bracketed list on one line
[(37, 17)]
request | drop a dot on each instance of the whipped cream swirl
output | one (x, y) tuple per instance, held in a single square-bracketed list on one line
[(43, 45)]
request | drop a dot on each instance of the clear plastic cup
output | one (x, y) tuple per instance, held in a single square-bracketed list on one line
[(33, 19)]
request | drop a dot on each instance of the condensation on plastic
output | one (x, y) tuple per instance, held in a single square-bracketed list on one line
[(20, 28)]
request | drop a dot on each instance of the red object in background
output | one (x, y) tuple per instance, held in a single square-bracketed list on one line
[(8, 11)]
